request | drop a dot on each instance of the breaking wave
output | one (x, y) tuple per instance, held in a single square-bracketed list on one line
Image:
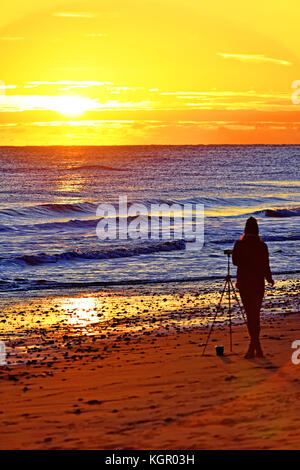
[(48, 210), (121, 252), (284, 212)]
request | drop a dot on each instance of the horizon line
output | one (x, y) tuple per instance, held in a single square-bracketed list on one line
[(154, 145)]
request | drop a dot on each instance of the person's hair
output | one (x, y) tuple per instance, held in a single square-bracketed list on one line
[(251, 227)]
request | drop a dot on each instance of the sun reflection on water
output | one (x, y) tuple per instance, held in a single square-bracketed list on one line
[(82, 311)]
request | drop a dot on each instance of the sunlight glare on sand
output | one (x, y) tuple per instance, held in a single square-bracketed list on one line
[(82, 310)]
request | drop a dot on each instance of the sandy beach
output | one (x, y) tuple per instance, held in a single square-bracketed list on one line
[(153, 390)]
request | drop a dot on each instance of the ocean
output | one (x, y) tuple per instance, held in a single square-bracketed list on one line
[(50, 195)]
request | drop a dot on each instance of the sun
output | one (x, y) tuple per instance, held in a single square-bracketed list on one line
[(73, 105)]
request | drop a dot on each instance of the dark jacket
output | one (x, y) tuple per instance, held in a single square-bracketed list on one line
[(251, 256)]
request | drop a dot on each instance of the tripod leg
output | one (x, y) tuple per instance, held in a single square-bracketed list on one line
[(229, 314), (212, 325), (221, 298)]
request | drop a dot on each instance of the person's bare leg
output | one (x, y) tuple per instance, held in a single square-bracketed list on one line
[(253, 324), (252, 304), (258, 349), (250, 313), (256, 327), (250, 354)]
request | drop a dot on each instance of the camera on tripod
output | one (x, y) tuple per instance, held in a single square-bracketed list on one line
[(230, 290)]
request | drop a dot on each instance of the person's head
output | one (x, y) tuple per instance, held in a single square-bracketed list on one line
[(251, 227)]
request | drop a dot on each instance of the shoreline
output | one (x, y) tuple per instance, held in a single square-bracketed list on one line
[(84, 388), (158, 393), (34, 328)]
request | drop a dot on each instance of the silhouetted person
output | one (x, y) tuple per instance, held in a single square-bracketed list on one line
[(251, 256)]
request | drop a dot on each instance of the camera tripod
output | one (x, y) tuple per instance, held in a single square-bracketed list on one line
[(229, 288)]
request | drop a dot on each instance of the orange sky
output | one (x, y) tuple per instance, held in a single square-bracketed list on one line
[(149, 72)]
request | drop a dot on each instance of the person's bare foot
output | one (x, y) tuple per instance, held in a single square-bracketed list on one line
[(259, 352), (250, 354)]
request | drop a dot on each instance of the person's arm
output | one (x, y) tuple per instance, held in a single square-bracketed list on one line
[(236, 258), (235, 254), (268, 274)]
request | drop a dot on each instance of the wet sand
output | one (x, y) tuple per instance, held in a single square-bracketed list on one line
[(155, 390)]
